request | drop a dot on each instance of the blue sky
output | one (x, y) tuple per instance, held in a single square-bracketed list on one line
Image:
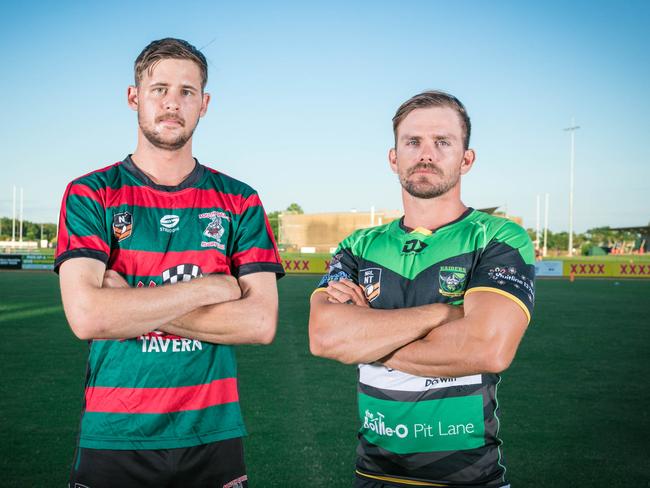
[(303, 96)]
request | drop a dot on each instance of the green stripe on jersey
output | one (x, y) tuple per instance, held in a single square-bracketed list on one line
[(134, 363), (148, 432), (471, 234)]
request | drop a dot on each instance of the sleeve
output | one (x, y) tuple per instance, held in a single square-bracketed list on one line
[(82, 226), (254, 249), (506, 266), (343, 266)]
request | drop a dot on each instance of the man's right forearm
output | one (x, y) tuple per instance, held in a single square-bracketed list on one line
[(96, 312), (352, 334)]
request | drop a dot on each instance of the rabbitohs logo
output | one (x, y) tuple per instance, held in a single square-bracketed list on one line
[(452, 281), (215, 229)]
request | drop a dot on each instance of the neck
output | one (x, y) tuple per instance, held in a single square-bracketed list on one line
[(164, 167), (432, 213)]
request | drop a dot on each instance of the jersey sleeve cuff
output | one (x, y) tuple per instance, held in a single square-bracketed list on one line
[(502, 293), (79, 253), (317, 290), (250, 268)]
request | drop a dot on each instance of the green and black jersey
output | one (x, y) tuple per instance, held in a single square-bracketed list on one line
[(433, 431)]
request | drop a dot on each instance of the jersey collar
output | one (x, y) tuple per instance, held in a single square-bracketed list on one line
[(424, 231), (193, 178)]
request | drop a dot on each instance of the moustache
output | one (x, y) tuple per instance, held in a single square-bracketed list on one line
[(425, 166)]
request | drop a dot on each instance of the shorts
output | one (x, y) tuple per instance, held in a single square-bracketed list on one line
[(218, 464), (363, 482)]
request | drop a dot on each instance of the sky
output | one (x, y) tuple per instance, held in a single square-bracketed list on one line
[(303, 94)]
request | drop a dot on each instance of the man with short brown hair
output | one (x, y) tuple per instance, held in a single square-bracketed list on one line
[(432, 308), (164, 264)]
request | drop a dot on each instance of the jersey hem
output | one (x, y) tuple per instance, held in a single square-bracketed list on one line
[(151, 444), (502, 293), (392, 479)]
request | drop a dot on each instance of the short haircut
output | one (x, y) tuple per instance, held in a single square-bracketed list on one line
[(434, 98), (169, 48)]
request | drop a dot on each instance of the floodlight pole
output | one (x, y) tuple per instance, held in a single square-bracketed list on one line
[(545, 223), (572, 130), (537, 226), (21, 214), (13, 218)]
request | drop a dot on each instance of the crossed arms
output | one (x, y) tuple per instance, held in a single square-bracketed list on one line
[(429, 340), (99, 304)]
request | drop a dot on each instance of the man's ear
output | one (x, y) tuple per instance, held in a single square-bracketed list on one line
[(132, 97), (392, 159), (468, 161), (204, 104)]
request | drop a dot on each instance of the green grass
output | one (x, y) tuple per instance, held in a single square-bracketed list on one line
[(573, 404)]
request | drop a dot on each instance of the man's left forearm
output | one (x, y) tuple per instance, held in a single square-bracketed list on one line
[(236, 322), (485, 340)]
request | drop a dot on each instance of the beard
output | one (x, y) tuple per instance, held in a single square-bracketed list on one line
[(421, 187), (158, 140)]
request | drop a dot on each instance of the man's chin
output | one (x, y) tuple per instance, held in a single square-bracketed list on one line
[(167, 144), (424, 191)]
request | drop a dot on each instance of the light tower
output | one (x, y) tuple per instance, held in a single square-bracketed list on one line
[(572, 130)]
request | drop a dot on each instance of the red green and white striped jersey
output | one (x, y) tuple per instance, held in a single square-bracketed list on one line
[(159, 391)]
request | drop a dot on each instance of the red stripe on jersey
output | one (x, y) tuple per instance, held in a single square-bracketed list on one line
[(254, 255), (150, 263), (88, 242), (144, 196), (252, 201), (100, 170), (109, 399), (82, 190)]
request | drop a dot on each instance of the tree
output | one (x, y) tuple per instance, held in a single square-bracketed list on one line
[(294, 208)]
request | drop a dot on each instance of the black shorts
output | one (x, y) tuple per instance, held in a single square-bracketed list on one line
[(216, 465), (360, 482)]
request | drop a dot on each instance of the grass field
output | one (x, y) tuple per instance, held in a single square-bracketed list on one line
[(574, 404)]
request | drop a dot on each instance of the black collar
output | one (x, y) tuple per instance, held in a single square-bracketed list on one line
[(462, 216), (194, 177)]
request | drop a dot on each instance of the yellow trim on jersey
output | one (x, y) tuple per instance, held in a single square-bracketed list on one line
[(398, 480), (503, 293), (317, 290), (422, 230)]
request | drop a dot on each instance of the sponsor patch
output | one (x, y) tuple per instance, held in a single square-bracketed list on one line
[(453, 280), (370, 279), (414, 246), (122, 225), (168, 223), (503, 275), (180, 273), (379, 376)]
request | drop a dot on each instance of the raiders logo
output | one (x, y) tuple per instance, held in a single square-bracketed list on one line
[(452, 281), (122, 225)]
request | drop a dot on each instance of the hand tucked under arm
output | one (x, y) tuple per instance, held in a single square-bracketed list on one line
[(252, 319), (485, 340), (99, 306), (352, 333)]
